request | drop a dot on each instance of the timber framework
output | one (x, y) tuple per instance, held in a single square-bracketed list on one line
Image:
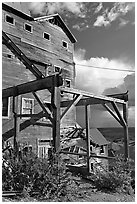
[(52, 110)]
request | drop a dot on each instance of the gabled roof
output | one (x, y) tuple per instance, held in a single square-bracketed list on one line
[(97, 138), (61, 24)]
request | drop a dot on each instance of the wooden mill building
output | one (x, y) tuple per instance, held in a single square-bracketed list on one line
[(48, 43), (38, 80)]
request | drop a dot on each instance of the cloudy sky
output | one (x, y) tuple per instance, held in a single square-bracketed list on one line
[(105, 33)]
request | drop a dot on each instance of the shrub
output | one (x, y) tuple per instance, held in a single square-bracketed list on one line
[(30, 173), (117, 179)]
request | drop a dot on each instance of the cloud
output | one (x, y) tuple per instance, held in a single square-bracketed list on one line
[(97, 80), (47, 8), (98, 8), (118, 10), (128, 84), (123, 22), (101, 21)]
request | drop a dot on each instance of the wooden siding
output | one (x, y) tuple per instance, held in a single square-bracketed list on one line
[(36, 48)]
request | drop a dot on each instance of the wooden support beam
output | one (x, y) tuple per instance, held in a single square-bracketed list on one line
[(46, 111), (126, 137), (31, 86), (102, 157), (87, 121), (112, 113), (122, 96), (15, 110), (55, 103), (71, 105), (21, 56), (91, 98), (118, 114), (85, 154), (73, 153)]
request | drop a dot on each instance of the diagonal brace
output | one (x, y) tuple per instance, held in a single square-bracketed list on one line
[(112, 113), (119, 114), (72, 104), (47, 112)]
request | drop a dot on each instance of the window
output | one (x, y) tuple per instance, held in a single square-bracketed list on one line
[(5, 107), (46, 36), (10, 19), (101, 149), (27, 106), (67, 83), (28, 27), (43, 148), (65, 44), (57, 69)]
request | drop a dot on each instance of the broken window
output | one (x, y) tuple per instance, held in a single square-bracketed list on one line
[(10, 19), (46, 36), (28, 27), (43, 148), (67, 83), (27, 106), (65, 44), (5, 107), (57, 69), (101, 149)]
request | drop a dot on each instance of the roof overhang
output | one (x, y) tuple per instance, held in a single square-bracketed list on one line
[(62, 25), (16, 12)]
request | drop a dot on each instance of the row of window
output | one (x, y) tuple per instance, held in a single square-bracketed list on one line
[(29, 28)]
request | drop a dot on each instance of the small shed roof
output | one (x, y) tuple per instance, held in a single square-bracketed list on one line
[(62, 25), (97, 137)]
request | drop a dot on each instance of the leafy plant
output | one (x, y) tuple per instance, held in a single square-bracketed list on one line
[(118, 178), (30, 173)]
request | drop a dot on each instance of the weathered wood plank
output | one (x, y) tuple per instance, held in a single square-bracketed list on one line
[(87, 123), (35, 85), (47, 112), (112, 113), (91, 98), (118, 113), (126, 136), (71, 105)]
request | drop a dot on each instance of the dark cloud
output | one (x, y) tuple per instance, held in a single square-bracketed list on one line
[(129, 84)]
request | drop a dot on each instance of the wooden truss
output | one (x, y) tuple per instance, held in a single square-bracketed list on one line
[(52, 110), (82, 98)]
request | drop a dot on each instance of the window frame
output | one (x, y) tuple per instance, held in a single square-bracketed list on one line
[(66, 47), (7, 15), (43, 144), (48, 35), (30, 99), (102, 150), (8, 116), (30, 26), (66, 82), (55, 66)]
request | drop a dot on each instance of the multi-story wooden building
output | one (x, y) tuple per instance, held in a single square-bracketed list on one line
[(48, 43)]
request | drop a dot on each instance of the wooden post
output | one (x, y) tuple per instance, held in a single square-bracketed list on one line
[(55, 103), (16, 125), (87, 120), (126, 138)]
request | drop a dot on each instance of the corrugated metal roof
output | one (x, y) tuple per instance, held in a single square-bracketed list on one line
[(97, 137)]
